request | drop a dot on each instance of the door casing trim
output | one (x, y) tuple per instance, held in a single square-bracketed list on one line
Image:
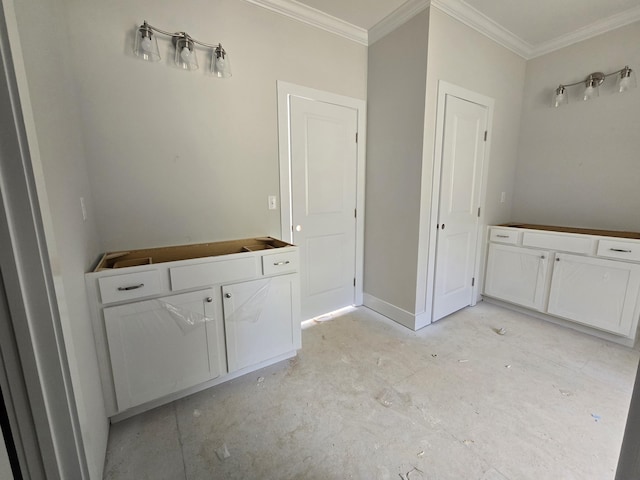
[(285, 92)]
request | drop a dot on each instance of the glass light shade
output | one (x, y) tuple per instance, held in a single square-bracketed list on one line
[(560, 96), (146, 46), (185, 57), (220, 63), (626, 80), (591, 90)]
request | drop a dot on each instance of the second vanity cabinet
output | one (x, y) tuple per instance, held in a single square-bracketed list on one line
[(596, 292), (588, 277), (518, 275), (188, 317)]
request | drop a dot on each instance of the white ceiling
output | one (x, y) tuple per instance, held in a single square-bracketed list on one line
[(534, 23), (540, 21), (361, 13)]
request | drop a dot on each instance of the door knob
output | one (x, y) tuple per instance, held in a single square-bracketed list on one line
[(227, 295), (298, 228)]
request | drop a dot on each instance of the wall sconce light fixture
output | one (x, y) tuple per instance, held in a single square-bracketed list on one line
[(626, 80), (146, 47)]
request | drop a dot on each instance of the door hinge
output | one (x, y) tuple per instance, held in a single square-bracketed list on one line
[(473, 282), (354, 282), (355, 213), (356, 137), (478, 212), (485, 135)]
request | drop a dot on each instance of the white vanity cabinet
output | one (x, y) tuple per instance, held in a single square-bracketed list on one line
[(190, 317), (162, 346), (518, 275), (586, 277), (596, 292), (259, 319)]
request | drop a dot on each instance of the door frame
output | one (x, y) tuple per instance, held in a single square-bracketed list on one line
[(34, 368), (444, 89), (285, 92)]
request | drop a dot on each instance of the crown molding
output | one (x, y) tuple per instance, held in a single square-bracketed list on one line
[(399, 16), (597, 28), (458, 9), (316, 18), (473, 18)]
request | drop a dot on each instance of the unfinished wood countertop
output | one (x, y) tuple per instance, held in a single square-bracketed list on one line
[(584, 231), (147, 256)]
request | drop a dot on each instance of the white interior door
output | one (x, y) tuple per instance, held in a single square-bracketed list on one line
[(463, 148), (323, 202)]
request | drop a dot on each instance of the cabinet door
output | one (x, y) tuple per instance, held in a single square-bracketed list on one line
[(261, 319), (517, 275), (596, 292), (161, 346)]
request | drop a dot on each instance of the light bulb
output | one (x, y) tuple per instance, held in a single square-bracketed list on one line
[(146, 44), (588, 93), (185, 54), (625, 84)]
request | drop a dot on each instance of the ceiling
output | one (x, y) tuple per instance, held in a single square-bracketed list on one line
[(535, 25)]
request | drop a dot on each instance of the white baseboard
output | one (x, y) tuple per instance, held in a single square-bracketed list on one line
[(396, 314)]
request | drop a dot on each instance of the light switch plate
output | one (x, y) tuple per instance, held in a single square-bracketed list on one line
[(273, 202)]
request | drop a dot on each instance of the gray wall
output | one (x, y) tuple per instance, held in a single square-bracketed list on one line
[(177, 157), (396, 95), (56, 145), (578, 164)]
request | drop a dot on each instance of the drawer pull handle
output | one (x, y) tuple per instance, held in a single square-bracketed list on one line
[(621, 250), (502, 236), (277, 264), (132, 287)]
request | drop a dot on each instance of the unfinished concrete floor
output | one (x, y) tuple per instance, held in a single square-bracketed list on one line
[(369, 399)]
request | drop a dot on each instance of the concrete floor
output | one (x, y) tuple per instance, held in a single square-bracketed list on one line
[(369, 399)]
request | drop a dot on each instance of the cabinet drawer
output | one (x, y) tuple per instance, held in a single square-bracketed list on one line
[(619, 249), (502, 235), (212, 273), (128, 286), (564, 242), (280, 263)]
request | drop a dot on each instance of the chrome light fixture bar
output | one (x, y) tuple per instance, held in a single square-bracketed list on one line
[(146, 47), (626, 79)]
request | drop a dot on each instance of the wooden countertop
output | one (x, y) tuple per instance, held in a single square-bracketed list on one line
[(147, 256), (584, 231)]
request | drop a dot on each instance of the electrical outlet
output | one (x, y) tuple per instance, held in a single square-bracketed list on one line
[(273, 202), (503, 197), (84, 209)]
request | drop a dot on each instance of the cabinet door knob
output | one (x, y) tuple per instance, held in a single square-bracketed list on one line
[(227, 295), (209, 299), (542, 257), (557, 259)]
